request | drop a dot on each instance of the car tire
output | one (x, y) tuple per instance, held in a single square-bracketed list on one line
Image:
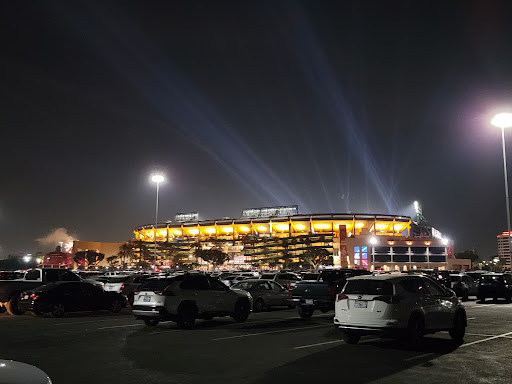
[(351, 337), (508, 298), (242, 311), (459, 328), (187, 315), (12, 306), (465, 295), (305, 312), (115, 306), (58, 310), (259, 305), (415, 331), (151, 322), (2, 309)]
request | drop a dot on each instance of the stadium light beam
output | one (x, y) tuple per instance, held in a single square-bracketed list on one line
[(504, 120)]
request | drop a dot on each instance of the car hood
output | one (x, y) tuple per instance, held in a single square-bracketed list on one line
[(14, 372)]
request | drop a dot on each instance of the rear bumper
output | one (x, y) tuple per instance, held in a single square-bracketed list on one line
[(311, 302), (388, 328), (153, 312)]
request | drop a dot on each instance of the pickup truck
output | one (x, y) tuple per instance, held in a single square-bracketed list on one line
[(10, 290), (310, 295)]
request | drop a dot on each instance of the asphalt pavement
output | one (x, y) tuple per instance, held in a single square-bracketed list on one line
[(270, 347)]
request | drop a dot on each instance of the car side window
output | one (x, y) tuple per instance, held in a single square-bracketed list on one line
[(264, 286), (33, 275), (69, 276), (197, 283), (216, 284), (51, 275), (275, 287), (433, 288), (414, 286)]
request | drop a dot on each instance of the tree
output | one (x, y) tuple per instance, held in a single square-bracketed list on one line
[(126, 252), (469, 254), (214, 256), (113, 260), (88, 258), (316, 257)]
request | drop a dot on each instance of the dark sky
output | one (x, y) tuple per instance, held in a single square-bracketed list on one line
[(342, 106)]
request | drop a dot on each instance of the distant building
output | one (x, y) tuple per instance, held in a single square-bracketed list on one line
[(108, 249), (504, 248)]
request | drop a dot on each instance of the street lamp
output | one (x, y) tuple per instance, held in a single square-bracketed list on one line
[(156, 179), (504, 120)]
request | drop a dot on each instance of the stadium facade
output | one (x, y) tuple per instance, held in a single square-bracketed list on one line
[(271, 236)]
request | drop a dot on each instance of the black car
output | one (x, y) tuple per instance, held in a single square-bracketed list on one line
[(495, 285), (62, 296), (265, 293)]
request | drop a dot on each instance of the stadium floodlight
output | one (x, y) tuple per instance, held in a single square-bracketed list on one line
[(504, 120), (373, 240), (445, 241)]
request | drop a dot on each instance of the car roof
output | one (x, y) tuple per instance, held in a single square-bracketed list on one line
[(382, 277)]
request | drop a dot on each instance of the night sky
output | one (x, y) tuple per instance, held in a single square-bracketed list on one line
[(343, 106)]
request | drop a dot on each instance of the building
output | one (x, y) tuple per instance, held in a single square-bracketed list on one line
[(265, 237), (108, 249), (504, 248)]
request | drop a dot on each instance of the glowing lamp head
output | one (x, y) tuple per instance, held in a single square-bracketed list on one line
[(502, 120), (416, 206), (373, 241), (445, 241), (157, 178)]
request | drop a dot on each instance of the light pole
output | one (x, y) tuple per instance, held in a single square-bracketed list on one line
[(504, 120), (156, 179)]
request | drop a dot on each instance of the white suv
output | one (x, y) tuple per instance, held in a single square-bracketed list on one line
[(398, 305), (189, 297)]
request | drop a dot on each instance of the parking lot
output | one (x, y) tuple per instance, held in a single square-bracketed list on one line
[(270, 347)]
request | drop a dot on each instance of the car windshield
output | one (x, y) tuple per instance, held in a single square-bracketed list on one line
[(368, 287), (268, 276), (243, 285), (120, 279), (310, 276)]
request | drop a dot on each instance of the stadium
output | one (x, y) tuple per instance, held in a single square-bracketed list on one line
[(274, 237)]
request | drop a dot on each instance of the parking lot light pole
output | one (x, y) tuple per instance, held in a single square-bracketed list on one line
[(156, 179), (504, 120)]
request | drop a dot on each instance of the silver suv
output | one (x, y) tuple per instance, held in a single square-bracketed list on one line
[(188, 297)]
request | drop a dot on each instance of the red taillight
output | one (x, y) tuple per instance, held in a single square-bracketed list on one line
[(341, 296), (122, 287), (33, 296)]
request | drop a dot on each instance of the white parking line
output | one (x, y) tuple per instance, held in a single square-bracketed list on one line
[(122, 326), (92, 321), (318, 344), (487, 339), (266, 333)]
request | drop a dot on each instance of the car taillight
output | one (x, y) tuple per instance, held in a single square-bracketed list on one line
[(389, 299), (341, 296), (122, 287), (33, 296)]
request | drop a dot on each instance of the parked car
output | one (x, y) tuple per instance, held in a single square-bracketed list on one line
[(476, 275), (286, 279), (232, 279), (398, 305), (10, 289), (61, 297), (463, 286), (125, 285), (309, 276), (11, 275), (310, 295), (265, 293), (15, 372), (188, 297), (495, 285)]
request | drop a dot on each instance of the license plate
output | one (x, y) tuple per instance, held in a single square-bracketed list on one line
[(147, 298), (25, 297), (310, 301), (360, 304)]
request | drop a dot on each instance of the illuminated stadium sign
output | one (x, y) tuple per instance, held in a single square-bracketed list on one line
[(436, 234), (185, 217), (254, 213)]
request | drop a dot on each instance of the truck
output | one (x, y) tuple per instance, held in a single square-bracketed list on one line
[(310, 295), (10, 290)]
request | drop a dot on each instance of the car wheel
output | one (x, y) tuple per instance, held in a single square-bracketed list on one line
[(116, 306), (242, 311), (459, 328), (305, 312), (58, 310), (465, 295), (12, 306), (2, 309), (351, 337), (187, 315), (151, 322), (259, 305), (508, 297), (415, 331)]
